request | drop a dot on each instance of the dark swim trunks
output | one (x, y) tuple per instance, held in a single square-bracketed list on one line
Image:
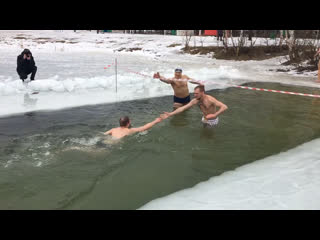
[(181, 100)]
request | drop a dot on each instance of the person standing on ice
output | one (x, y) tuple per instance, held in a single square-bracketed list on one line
[(26, 65), (317, 56), (179, 85), (220, 35)]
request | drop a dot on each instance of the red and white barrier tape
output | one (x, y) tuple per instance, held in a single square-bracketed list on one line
[(277, 91), (110, 65), (243, 87), (175, 79)]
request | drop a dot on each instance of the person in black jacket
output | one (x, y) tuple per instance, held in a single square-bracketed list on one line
[(26, 65), (220, 35)]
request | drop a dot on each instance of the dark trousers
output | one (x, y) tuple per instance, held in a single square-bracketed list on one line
[(24, 75)]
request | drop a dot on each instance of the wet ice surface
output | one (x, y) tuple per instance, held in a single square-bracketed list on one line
[(289, 180)]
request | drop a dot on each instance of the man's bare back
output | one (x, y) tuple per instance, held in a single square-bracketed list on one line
[(119, 132)]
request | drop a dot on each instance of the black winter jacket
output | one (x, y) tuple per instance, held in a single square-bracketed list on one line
[(24, 65)]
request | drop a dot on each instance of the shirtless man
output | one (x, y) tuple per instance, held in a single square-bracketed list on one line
[(207, 104), (181, 92), (125, 128)]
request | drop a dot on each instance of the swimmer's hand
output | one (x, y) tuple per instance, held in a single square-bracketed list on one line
[(157, 120), (165, 115)]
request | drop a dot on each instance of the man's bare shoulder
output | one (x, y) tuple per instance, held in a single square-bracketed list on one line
[(211, 98)]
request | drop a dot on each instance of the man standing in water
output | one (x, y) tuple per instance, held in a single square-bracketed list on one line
[(125, 128), (180, 87), (207, 104)]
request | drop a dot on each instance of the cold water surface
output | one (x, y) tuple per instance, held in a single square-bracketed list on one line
[(60, 159)]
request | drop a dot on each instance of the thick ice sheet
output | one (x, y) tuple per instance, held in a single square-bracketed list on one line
[(288, 180)]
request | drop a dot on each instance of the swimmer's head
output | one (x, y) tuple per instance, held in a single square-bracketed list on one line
[(198, 92), (125, 122), (178, 72)]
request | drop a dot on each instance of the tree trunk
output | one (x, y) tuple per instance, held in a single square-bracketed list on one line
[(240, 42), (292, 45), (225, 42), (281, 38)]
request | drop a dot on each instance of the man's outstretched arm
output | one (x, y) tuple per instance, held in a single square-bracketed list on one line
[(179, 110), (195, 82), (190, 80), (162, 79), (146, 126)]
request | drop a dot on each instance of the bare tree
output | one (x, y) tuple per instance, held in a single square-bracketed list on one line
[(187, 38), (291, 44), (281, 38), (239, 43), (201, 39), (225, 38)]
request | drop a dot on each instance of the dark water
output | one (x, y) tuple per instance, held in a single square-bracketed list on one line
[(58, 160)]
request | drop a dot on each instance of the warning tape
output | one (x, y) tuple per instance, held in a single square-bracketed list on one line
[(243, 87), (278, 91), (175, 79), (110, 65)]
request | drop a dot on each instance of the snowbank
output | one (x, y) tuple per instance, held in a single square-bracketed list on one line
[(289, 180)]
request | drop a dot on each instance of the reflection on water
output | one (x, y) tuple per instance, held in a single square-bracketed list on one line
[(180, 120), (207, 133), (28, 101)]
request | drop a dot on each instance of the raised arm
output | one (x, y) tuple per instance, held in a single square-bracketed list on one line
[(145, 127), (195, 82), (222, 108), (180, 109), (191, 80), (163, 79)]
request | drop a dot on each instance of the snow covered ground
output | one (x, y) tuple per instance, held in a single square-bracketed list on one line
[(73, 68), (71, 72)]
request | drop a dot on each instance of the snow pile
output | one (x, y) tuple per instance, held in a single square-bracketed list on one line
[(289, 180), (75, 76)]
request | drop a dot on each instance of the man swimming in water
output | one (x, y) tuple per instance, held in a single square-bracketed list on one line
[(181, 92), (207, 104), (125, 128)]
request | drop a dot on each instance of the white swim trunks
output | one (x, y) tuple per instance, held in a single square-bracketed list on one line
[(210, 122)]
